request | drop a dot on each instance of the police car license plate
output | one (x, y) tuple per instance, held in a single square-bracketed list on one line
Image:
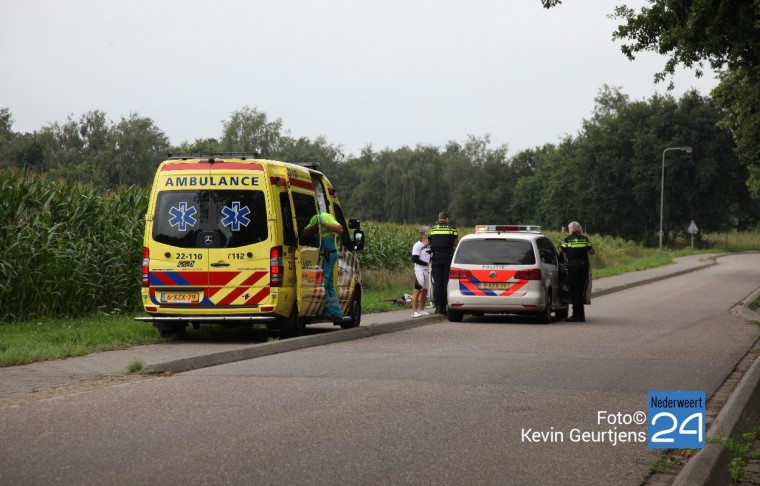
[(180, 297), (494, 285)]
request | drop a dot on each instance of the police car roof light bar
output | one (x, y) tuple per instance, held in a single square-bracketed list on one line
[(507, 228)]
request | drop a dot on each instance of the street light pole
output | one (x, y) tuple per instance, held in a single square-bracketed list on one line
[(662, 184)]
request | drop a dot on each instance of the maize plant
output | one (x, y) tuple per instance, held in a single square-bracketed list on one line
[(68, 249)]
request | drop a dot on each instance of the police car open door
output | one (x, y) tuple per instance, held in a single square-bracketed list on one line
[(564, 288)]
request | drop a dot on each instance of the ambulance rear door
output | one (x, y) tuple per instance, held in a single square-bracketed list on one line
[(238, 240)]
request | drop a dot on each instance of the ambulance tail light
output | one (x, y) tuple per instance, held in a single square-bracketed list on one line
[(459, 273), (146, 267), (532, 274), (276, 267)]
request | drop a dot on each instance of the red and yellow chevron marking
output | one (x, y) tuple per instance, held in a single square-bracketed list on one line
[(348, 277), (315, 303), (313, 291), (236, 288), (219, 288)]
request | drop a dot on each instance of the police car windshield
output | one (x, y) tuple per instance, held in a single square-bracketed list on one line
[(495, 251)]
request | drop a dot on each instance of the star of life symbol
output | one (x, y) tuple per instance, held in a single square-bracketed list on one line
[(183, 216), (235, 216)]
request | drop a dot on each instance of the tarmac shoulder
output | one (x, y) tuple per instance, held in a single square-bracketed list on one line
[(739, 413), (680, 266)]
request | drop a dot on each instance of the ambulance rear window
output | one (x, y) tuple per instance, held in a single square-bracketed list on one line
[(236, 217), (495, 251)]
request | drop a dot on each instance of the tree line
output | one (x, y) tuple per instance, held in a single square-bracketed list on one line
[(608, 176), (722, 35)]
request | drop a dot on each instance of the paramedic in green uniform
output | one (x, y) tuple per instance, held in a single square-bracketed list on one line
[(329, 228)]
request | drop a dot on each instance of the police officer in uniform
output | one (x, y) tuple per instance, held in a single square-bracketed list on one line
[(576, 248), (443, 238)]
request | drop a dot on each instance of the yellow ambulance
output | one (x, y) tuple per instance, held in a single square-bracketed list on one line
[(224, 244)]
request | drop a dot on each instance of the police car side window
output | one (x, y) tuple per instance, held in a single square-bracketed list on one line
[(546, 251)]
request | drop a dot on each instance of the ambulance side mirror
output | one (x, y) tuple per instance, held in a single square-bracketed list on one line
[(358, 239)]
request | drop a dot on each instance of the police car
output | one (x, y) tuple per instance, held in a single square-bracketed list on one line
[(506, 269)]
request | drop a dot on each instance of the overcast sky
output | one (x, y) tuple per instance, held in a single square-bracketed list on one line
[(385, 73)]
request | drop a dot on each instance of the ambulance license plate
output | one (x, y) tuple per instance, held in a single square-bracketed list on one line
[(180, 297), (494, 285)]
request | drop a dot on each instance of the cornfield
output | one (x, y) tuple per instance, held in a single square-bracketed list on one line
[(67, 249), (389, 245)]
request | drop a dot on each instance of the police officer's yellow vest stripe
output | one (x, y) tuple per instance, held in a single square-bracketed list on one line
[(577, 243)]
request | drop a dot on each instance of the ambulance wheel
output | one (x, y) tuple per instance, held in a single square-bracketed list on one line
[(355, 311), (292, 326), (171, 331)]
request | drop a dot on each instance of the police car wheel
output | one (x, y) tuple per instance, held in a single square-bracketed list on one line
[(545, 316), (454, 316)]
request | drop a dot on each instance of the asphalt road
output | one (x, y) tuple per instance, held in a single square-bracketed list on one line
[(438, 404)]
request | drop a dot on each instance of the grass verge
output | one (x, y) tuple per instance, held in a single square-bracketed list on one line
[(57, 338), (44, 339)]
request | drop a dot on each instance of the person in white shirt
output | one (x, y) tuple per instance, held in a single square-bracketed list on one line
[(421, 258)]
